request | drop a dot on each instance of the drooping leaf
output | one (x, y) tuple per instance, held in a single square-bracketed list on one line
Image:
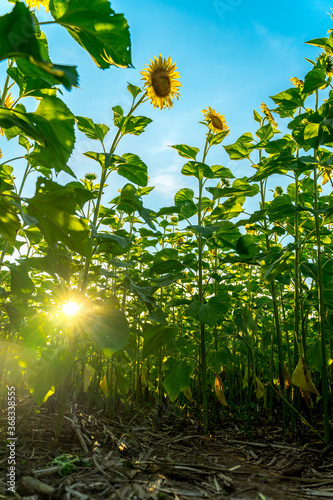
[(155, 337), (314, 79), (104, 386), (302, 379), (218, 385), (133, 169), (177, 377), (51, 125), (19, 40), (20, 282), (54, 207), (9, 221), (259, 388), (96, 27), (88, 374), (241, 148), (108, 328), (166, 261), (48, 373)]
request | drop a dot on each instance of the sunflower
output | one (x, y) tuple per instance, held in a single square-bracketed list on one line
[(160, 82), (215, 121), (268, 115), (9, 101), (35, 4), (295, 81)]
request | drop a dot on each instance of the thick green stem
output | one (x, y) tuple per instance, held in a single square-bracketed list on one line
[(321, 303), (202, 350)]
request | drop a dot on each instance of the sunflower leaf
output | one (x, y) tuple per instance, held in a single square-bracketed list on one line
[(134, 169), (198, 170), (95, 131), (19, 40), (186, 151), (96, 27)]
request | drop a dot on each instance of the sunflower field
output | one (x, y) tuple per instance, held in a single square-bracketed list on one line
[(202, 307)]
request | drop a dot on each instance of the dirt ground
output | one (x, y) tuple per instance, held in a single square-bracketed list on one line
[(151, 455)]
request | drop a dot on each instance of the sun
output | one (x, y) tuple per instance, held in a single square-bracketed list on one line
[(70, 308), (161, 82)]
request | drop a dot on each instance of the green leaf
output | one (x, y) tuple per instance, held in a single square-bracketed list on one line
[(35, 333), (265, 133), (133, 90), (211, 312), (19, 40), (54, 207), (241, 148), (108, 328), (186, 151), (134, 169), (274, 165), (183, 196), (288, 101), (246, 248), (9, 221), (197, 169), (324, 43), (217, 360), (166, 261), (155, 337), (281, 207), (214, 139), (239, 188), (177, 377), (315, 79), (220, 172), (134, 125), (184, 200), (96, 131), (95, 26), (257, 116), (51, 125), (48, 373), (20, 282)]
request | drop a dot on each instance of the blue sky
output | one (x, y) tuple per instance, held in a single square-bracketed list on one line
[(231, 55)]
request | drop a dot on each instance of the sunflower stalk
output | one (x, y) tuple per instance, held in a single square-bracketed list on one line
[(321, 303)]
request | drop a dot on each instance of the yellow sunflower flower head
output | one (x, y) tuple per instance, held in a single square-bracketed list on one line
[(295, 81), (326, 174), (161, 82), (35, 4), (215, 121), (268, 115), (9, 101), (1, 155)]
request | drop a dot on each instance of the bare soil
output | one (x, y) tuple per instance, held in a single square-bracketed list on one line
[(151, 455)]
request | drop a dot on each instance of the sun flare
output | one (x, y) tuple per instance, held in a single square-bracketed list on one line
[(70, 308)]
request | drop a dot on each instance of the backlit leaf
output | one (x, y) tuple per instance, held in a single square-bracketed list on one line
[(96, 27)]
